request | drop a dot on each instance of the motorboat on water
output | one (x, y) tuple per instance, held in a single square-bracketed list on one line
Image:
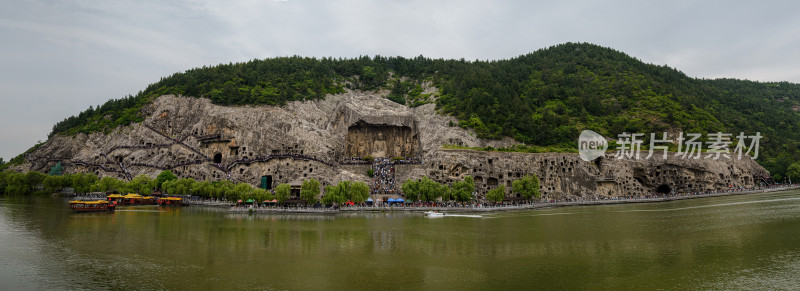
[(434, 214)]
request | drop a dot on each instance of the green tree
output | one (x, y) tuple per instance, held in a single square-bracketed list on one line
[(334, 195), (231, 194), (4, 181), (345, 190), (793, 172), (282, 191), (64, 181), (430, 190), (141, 184), (369, 79), (359, 192), (203, 189), (448, 194), (108, 184), (34, 179), (527, 187), (225, 190), (340, 193), (17, 184), (410, 190), (243, 191), (169, 187), (497, 194), (216, 190), (462, 190), (309, 191), (261, 195), (53, 183), (82, 182), (183, 186), (164, 176)]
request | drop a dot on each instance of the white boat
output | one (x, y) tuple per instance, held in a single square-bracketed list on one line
[(433, 214)]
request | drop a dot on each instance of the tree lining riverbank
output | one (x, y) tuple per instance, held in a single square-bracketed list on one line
[(479, 208)]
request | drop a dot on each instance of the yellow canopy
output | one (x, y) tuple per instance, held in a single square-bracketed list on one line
[(115, 196), (131, 195), (88, 202), (172, 198)]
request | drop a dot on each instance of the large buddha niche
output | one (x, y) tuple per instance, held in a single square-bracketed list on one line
[(380, 141)]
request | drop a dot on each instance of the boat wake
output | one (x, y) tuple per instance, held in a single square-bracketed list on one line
[(465, 215), (712, 205)]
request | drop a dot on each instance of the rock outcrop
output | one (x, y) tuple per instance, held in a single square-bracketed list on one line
[(320, 138)]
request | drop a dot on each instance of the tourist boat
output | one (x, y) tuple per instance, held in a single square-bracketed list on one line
[(134, 199), (146, 200), (115, 198), (92, 206), (176, 201), (434, 214)]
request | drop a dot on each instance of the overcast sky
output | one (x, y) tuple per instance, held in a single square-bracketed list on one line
[(59, 57)]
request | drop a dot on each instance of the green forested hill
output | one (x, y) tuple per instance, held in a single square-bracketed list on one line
[(543, 98)]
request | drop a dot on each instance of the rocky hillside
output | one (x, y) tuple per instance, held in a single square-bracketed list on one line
[(283, 120), (316, 139), (544, 98)]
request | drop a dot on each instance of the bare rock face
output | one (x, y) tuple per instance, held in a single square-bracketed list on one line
[(319, 139)]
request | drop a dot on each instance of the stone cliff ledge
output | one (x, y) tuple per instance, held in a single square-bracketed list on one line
[(320, 139)]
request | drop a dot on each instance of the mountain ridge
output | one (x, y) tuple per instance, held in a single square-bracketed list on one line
[(541, 98)]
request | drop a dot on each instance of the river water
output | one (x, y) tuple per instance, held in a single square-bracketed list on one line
[(736, 242)]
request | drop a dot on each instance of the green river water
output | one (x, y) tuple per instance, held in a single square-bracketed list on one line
[(736, 242)]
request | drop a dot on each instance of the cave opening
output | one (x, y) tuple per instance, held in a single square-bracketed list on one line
[(217, 158), (380, 141), (266, 182), (664, 189)]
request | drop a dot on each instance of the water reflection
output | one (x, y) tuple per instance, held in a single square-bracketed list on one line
[(276, 217), (718, 243)]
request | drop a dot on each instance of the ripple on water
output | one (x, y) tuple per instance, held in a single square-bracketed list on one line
[(740, 242), (778, 272)]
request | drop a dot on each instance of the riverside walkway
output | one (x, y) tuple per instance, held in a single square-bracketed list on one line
[(476, 208)]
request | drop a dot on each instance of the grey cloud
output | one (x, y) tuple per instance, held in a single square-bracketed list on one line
[(63, 56)]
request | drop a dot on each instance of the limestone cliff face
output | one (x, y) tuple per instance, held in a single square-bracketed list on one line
[(301, 140), (565, 175)]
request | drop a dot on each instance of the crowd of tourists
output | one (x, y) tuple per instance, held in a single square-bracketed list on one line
[(354, 161), (383, 178), (407, 161), (247, 160), (655, 195)]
